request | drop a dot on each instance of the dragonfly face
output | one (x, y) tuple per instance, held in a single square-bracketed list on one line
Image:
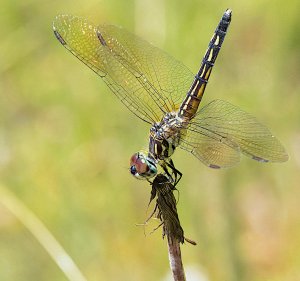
[(164, 138), (142, 166), (165, 94)]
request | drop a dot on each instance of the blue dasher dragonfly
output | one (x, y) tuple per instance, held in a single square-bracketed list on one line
[(164, 93)]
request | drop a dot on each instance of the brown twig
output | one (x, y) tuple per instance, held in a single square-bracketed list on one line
[(162, 189), (175, 259)]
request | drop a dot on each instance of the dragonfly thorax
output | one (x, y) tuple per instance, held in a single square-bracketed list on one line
[(165, 136)]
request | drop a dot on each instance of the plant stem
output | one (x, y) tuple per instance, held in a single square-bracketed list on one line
[(175, 259), (41, 233)]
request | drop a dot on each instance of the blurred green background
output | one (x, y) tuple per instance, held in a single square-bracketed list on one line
[(65, 144)]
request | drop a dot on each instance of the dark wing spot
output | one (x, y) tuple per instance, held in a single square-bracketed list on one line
[(59, 38), (214, 166), (260, 159), (101, 39)]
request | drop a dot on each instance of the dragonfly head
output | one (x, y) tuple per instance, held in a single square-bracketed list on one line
[(142, 166)]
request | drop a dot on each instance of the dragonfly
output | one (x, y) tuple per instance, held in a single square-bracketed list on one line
[(164, 93)]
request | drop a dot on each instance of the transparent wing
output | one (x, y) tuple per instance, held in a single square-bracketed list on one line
[(220, 131), (147, 80)]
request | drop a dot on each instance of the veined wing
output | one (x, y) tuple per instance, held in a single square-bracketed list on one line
[(146, 79), (220, 131)]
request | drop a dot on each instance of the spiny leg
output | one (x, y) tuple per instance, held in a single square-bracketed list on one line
[(167, 171), (175, 172)]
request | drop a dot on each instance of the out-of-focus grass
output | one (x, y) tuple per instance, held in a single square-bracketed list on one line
[(65, 142)]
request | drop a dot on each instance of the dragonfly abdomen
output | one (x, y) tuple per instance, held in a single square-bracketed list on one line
[(193, 98)]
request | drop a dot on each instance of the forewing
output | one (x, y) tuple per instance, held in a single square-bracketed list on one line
[(147, 80), (223, 127)]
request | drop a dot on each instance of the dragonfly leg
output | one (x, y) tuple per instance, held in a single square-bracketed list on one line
[(177, 174), (167, 172)]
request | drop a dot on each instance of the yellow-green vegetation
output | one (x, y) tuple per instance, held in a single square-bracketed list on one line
[(65, 144)]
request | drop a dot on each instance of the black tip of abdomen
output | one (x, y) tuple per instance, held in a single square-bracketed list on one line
[(227, 15)]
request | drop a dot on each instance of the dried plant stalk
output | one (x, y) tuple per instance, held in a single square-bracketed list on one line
[(162, 189)]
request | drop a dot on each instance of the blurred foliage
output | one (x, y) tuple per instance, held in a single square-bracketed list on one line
[(65, 144)]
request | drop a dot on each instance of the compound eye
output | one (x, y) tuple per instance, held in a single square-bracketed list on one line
[(133, 170), (138, 164)]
